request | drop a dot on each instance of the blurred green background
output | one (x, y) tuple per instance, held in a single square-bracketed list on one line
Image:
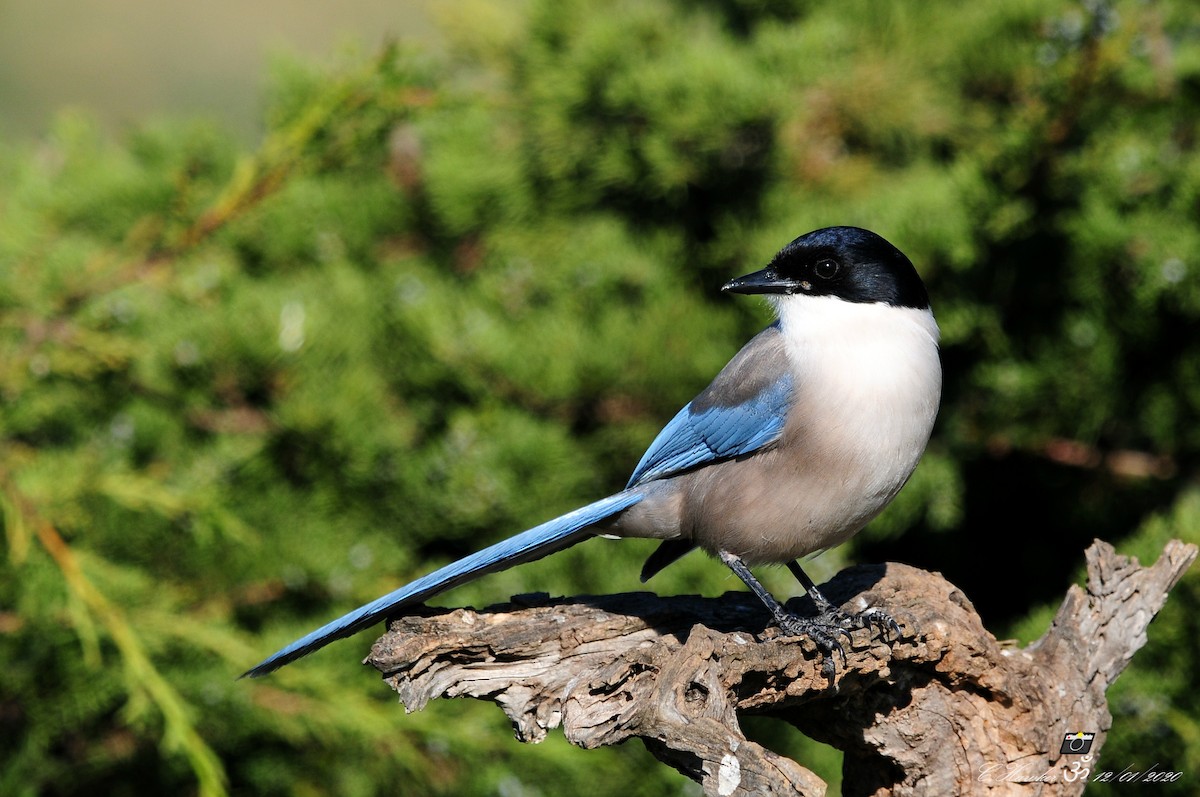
[(257, 368)]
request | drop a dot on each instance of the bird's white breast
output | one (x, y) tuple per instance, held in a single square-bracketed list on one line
[(868, 383)]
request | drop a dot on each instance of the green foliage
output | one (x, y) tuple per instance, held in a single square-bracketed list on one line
[(240, 394)]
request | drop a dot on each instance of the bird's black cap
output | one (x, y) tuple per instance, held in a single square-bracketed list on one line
[(850, 263)]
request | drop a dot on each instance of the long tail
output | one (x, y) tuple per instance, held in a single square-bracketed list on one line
[(527, 546)]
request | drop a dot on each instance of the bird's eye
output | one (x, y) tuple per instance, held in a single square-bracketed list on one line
[(826, 269)]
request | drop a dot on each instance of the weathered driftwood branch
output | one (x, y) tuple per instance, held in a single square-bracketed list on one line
[(945, 709)]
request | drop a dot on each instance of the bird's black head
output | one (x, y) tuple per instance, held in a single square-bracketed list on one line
[(849, 263)]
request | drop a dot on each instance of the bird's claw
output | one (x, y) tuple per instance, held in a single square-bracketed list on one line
[(873, 619), (878, 620), (831, 623), (823, 630)]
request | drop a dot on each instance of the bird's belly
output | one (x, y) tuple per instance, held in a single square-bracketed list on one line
[(795, 522), (766, 510)]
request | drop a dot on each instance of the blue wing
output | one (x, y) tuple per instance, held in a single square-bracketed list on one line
[(527, 546), (743, 410)]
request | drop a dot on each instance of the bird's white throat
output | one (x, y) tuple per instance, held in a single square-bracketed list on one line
[(862, 342)]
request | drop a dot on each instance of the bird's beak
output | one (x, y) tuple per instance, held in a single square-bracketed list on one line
[(765, 281)]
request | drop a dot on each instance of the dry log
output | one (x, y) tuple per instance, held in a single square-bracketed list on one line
[(943, 709)]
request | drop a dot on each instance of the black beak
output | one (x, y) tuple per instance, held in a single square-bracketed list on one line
[(765, 281)]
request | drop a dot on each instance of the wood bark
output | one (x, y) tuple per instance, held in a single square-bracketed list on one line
[(943, 709)]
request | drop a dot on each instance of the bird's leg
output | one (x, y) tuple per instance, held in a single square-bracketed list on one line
[(823, 604), (819, 629), (873, 618)]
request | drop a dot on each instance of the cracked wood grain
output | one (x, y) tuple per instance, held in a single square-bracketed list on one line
[(944, 709)]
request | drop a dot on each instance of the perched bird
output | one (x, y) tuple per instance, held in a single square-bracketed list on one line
[(804, 437)]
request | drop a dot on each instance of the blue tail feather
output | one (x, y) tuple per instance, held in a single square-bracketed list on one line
[(554, 535)]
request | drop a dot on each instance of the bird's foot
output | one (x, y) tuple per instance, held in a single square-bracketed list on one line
[(826, 626), (878, 622), (832, 622), (824, 630), (874, 619)]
